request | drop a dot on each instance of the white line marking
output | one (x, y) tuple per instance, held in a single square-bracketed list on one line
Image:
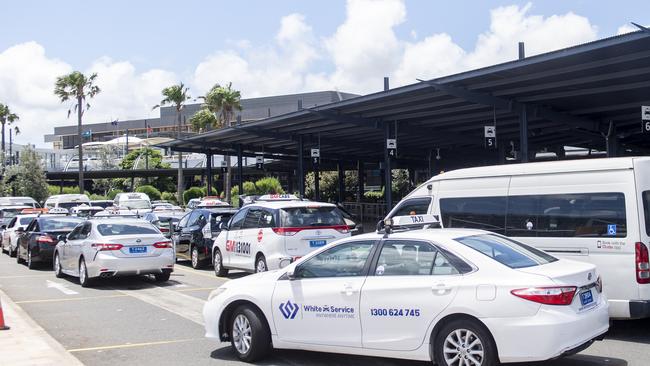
[(61, 287), (186, 306)]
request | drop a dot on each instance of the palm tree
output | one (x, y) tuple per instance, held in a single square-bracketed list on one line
[(176, 95), (6, 117), (223, 101), (77, 86)]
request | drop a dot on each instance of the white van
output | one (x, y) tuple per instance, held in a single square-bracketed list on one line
[(134, 201), (66, 201), (596, 211)]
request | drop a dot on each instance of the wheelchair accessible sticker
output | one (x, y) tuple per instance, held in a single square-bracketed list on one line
[(611, 229)]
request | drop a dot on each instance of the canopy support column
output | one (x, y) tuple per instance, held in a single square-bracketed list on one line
[(388, 188), (360, 176), (301, 167), (208, 172), (341, 182), (240, 170)]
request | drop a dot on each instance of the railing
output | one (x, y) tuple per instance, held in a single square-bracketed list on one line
[(367, 212)]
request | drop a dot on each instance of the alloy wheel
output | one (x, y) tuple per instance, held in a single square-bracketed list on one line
[(463, 348), (261, 265), (195, 258), (242, 334)]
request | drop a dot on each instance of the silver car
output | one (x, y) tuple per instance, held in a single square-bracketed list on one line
[(113, 246)]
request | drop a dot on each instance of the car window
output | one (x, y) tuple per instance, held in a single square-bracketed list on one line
[(507, 251), (311, 216), (12, 223), (267, 219), (252, 218), (344, 260), (237, 220), (33, 225), (59, 223), (195, 216), (414, 206), (184, 220), (85, 230), (26, 220), (74, 234), (412, 258), (127, 229)]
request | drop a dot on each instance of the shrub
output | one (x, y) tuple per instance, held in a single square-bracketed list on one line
[(268, 185), (112, 193), (169, 196), (374, 196), (151, 191), (194, 192), (212, 193), (249, 188), (97, 197)]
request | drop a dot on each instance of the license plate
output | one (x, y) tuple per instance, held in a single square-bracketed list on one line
[(137, 250), (317, 243), (586, 298)]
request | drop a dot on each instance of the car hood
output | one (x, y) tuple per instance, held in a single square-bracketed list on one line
[(256, 278)]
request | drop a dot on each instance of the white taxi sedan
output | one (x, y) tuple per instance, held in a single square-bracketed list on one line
[(108, 247), (455, 297)]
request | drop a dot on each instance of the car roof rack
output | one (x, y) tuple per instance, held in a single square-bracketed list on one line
[(410, 222)]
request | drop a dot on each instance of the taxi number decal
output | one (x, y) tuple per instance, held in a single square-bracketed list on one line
[(239, 247), (395, 312)]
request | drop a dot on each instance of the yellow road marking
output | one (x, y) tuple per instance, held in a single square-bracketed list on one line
[(69, 299), (130, 345), (25, 276)]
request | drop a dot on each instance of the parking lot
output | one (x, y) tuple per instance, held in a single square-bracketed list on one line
[(134, 321)]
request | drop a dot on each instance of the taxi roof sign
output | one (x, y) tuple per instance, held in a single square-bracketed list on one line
[(408, 222), (278, 197)]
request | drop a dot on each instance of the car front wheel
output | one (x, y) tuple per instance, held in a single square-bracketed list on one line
[(249, 335), (464, 342), (219, 270)]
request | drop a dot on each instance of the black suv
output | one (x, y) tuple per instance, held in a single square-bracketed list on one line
[(194, 234)]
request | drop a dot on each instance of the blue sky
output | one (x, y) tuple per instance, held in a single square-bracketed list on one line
[(269, 47)]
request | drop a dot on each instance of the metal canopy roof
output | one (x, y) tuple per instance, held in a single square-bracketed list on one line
[(570, 97)]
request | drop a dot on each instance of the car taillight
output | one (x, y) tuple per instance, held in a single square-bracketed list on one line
[(45, 239), (291, 231), (162, 244), (547, 295), (104, 247), (642, 262), (163, 230)]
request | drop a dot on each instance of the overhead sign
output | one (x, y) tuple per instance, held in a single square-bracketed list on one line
[(490, 135), (259, 162), (391, 146), (224, 166), (645, 118), (315, 157)]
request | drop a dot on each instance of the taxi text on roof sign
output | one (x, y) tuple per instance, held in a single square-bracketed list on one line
[(278, 197)]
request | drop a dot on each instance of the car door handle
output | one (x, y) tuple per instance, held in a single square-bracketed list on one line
[(348, 290), (441, 289)]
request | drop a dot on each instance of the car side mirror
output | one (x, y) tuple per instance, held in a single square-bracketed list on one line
[(291, 274), (223, 226), (20, 230), (62, 238), (380, 225)]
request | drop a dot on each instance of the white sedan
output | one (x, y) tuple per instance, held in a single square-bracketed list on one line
[(455, 297), (108, 247)]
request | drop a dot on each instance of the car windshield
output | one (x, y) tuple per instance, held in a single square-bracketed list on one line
[(59, 223), (69, 205), (11, 212), (507, 251), (102, 204), (137, 204), (311, 216), (126, 229), (25, 220)]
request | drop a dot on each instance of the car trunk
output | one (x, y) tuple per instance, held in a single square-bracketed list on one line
[(136, 246)]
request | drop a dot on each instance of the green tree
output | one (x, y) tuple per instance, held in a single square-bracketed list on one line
[(176, 96), (77, 86), (223, 101), (151, 191), (27, 178), (138, 157), (203, 120), (6, 118)]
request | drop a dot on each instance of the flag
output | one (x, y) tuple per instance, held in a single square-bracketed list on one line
[(114, 123)]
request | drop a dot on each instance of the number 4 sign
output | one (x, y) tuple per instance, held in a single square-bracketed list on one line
[(391, 146)]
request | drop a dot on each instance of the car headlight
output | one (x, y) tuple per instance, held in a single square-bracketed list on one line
[(216, 292)]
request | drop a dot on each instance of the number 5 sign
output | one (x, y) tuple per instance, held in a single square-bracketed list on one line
[(645, 118), (490, 137)]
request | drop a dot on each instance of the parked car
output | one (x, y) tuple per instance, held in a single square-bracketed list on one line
[(19, 201), (66, 201), (134, 201), (354, 223), (194, 233), (165, 221), (36, 242), (450, 296), (113, 246), (12, 232), (9, 212)]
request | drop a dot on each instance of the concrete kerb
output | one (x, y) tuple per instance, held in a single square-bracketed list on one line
[(27, 343)]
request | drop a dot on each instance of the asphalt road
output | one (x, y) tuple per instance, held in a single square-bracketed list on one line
[(134, 321)]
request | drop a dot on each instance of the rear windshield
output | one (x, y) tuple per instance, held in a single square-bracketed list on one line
[(311, 216), (69, 205), (507, 251), (102, 204), (59, 224), (126, 229), (11, 212), (136, 204)]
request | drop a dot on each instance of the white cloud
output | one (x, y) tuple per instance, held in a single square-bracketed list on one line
[(27, 78), (354, 58)]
